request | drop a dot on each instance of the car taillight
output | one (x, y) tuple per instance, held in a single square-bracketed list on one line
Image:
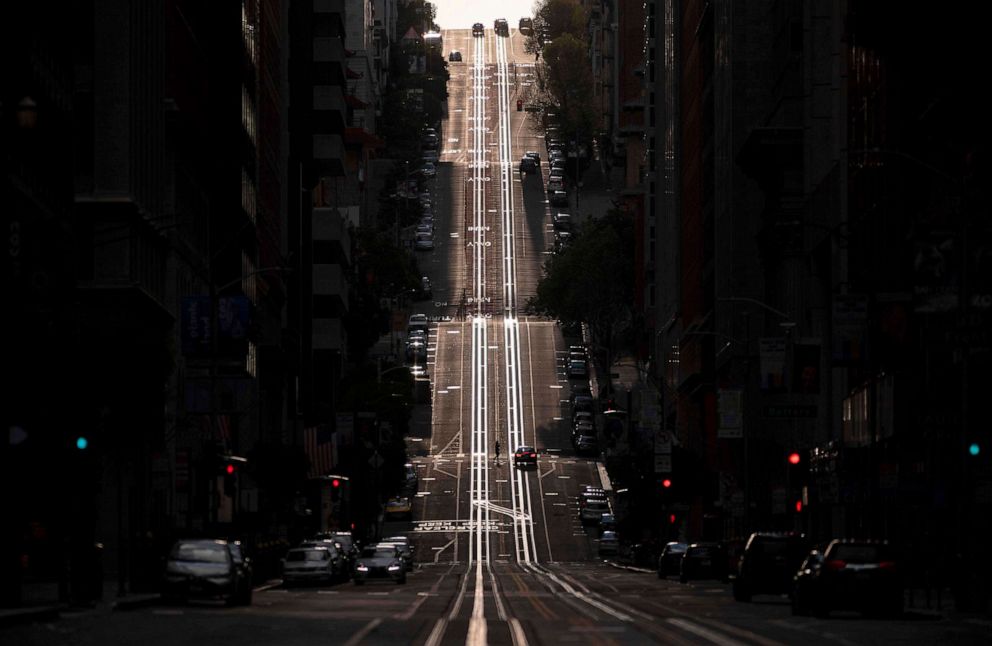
[(836, 565), (887, 565)]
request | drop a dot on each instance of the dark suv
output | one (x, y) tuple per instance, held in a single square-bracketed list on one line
[(769, 561)]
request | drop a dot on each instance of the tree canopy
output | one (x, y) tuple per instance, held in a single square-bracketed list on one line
[(591, 280)]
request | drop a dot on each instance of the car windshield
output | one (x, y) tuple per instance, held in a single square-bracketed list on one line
[(853, 553), (379, 553), (307, 555), (200, 552)]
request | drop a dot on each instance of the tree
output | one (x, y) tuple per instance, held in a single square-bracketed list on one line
[(592, 279), (560, 17), (564, 87)]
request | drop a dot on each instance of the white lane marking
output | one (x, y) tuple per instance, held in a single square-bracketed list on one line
[(705, 633), (360, 636)]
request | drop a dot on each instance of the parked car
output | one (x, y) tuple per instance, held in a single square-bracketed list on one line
[(313, 562), (582, 404), (561, 221), (411, 480), (426, 292), (428, 169), (854, 575), (533, 154), (577, 369), (769, 562), (593, 510), (670, 559), (703, 561), (802, 582), (607, 522), (416, 351), (455, 57), (525, 456), (609, 544), (399, 508), (559, 198), (208, 569), (423, 242), (380, 562), (417, 322), (586, 444), (528, 165)]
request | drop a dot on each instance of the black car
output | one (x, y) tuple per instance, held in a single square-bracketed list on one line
[(380, 562), (802, 582), (455, 57), (769, 561), (670, 560), (528, 165), (703, 561), (478, 29), (559, 198), (207, 569), (854, 575), (525, 456)]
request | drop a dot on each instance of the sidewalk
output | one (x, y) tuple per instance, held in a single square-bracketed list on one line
[(52, 610)]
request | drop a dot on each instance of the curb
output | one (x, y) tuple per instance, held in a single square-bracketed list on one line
[(632, 568), (28, 615)]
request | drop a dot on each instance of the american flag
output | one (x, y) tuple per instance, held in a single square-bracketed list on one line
[(318, 442)]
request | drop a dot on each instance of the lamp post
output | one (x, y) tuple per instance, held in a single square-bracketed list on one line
[(214, 350)]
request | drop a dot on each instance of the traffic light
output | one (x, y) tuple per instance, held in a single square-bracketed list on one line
[(229, 466), (797, 473), (335, 489), (974, 449), (82, 443), (666, 483)]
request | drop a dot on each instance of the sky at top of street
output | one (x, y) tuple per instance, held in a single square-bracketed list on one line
[(461, 14)]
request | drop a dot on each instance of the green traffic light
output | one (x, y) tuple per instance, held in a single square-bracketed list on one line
[(82, 443), (974, 449)]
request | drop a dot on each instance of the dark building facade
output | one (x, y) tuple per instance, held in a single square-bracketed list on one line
[(821, 273)]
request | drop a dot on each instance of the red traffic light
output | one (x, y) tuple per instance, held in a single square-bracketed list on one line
[(794, 458), (229, 469), (666, 483), (335, 483), (799, 505), (671, 519)]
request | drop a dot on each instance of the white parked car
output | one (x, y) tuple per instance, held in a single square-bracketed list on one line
[(424, 242)]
